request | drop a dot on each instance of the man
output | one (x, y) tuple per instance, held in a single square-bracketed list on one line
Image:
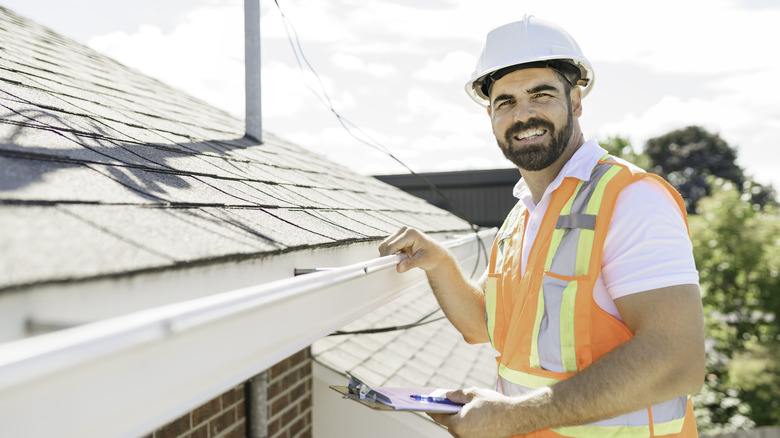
[(591, 296)]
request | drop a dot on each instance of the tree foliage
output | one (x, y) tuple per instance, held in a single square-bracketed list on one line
[(736, 245), (687, 157), (621, 147)]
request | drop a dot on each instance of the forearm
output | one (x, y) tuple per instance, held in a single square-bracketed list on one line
[(461, 299), (664, 360), (633, 376)]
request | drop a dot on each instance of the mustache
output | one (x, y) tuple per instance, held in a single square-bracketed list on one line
[(532, 123)]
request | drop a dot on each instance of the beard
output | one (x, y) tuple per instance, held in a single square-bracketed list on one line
[(538, 156)]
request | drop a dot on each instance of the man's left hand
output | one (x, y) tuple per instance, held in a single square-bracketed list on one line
[(484, 414)]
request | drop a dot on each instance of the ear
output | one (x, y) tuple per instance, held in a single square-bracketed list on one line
[(576, 101)]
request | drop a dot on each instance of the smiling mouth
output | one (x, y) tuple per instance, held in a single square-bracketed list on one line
[(530, 134)]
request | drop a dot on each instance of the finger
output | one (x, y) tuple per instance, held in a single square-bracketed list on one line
[(385, 247), (407, 244), (408, 262), (443, 419), (460, 396)]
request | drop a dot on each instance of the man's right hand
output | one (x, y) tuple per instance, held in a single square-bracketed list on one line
[(419, 250)]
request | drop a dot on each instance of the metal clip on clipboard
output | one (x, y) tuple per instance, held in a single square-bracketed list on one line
[(358, 390)]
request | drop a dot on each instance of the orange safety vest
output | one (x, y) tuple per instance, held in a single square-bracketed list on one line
[(545, 323)]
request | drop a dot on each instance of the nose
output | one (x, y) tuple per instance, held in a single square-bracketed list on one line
[(522, 111)]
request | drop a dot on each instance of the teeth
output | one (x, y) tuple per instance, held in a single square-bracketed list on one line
[(529, 134)]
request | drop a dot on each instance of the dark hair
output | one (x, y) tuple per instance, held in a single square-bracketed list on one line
[(570, 73)]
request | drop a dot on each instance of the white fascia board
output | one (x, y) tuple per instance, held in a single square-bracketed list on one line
[(125, 376)]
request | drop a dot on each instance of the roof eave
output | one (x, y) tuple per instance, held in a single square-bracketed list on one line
[(130, 374)]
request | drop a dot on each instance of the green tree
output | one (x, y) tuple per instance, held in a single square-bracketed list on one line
[(686, 157), (735, 245), (621, 147)]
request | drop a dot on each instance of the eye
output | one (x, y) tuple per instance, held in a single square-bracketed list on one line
[(542, 95), (505, 103)]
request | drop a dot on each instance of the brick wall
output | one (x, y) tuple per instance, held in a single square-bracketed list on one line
[(290, 397), (221, 417), (289, 406)]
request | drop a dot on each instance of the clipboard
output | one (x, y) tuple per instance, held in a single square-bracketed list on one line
[(395, 398)]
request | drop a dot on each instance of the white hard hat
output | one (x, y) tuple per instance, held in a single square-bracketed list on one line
[(528, 43)]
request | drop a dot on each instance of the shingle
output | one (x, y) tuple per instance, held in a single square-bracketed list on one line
[(51, 143), (428, 355), (168, 187), (35, 97), (152, 177), (350, 220), (180, 235), (314, 224), (42, 252), (267, 223), (44, 180)]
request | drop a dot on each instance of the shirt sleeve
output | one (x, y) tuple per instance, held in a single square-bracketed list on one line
[(647, 245)]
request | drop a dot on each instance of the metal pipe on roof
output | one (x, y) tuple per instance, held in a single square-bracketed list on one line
[(254, 120)]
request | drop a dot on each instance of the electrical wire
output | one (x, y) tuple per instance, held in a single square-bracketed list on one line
[(418, 323), (324, 98)]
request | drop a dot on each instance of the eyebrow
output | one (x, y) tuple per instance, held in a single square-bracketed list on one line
[(543, 87), (503, 97)]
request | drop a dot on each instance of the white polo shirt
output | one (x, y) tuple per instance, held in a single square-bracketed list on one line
[(647, 245)]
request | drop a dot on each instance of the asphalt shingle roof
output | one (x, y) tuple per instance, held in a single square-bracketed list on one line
[(433, 354), (106, 171)]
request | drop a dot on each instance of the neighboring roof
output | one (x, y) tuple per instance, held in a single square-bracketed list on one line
[(433, 354), (483, 197), (105, 171), (455, 178)]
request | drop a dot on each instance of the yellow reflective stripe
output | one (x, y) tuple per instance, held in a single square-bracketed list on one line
[(555, 240), (584, 251), (585, 242), (524, 379), (568, 349), (659, 429), (598, 193), (534, 357), (490, 305), (587, 431), (670, 427)]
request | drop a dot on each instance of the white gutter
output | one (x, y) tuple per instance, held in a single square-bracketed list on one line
[(125, 376)]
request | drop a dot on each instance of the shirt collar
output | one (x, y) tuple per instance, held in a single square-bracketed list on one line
[(579, 166)]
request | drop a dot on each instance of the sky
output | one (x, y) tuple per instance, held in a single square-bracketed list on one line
[(396, 70)]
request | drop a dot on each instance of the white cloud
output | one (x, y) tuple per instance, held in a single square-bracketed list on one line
[(454, 143), (441, 114), (399, 68), (314, 22), (354, 63), (282, 102), (672, 36), (203, 55), (730, 116), (449, 69)]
